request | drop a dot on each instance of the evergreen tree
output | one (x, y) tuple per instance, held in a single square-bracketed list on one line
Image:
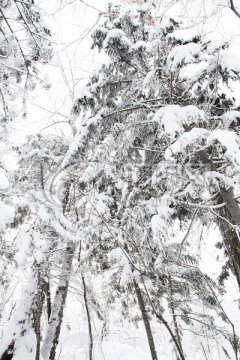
[(161, 93)]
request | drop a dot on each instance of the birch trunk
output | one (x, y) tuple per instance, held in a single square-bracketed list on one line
[(50, 343)]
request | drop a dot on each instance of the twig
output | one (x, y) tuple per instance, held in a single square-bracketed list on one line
[(232, 7)]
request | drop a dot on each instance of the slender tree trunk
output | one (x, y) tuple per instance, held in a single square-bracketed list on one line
[(158, 316), (145, 320), (38, 302), (26, 319), (8, 353), (174, 316), (231, 242), (48, 298), (229, 221), (50, 343), (88, 319)]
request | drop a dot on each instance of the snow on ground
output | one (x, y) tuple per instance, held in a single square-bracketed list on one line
[(73, 346)]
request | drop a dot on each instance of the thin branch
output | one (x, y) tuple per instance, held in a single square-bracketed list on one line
[(218, 206), (4, 104), (232, 7), (27, 26)]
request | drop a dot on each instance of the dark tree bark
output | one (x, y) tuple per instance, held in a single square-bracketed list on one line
[(8, 354), (48, 298), (38, 308), (228, 220), (88, 319), (232, 7), (145, 320)]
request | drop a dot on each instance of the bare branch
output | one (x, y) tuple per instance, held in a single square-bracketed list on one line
[(232, 7)]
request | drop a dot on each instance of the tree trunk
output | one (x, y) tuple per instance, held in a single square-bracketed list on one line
[(88, 320), (48, 298), (8, 353), (145, 321), (38, 302), (229, 220), (50, 343), (26, 319), (231, 242), (171, 302)]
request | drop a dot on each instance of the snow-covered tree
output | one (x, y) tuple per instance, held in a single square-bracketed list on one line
[(158, 103), (156, 153), (45, 233), (25, 42)]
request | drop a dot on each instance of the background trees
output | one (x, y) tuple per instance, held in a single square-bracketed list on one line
[(25, 42)]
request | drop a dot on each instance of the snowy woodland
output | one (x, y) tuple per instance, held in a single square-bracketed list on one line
[(119, 180)]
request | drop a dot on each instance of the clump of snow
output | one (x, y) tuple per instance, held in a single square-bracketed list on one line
[(216, 45), (115, 255), (231, 117), (186, 139), (184, 54), (225, 180), (183, 35), (119, 256), (22, 245), (173, 117), (148, 78), (6, 215), (145, 46), (43, 214), (163, 209), (119, 36), (83, 92), (230, 62), (39, 246), (126, 275), (102, 205), (230, 143)]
